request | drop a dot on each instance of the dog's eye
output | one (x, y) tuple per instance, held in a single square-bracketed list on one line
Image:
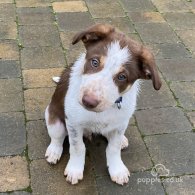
[(122, 77), (95, 63)]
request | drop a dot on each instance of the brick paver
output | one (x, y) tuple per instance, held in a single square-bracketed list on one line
[(36, 101), (11, 96), (34, 78), (35, 44), (42, 57), (175, 151), (9, 69), (166, 120), (14, 173), (12, 134), (185, 187)]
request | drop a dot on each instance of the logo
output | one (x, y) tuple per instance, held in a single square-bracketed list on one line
[(160, 174), (159, 170)]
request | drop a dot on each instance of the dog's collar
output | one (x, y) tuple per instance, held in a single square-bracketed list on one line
[(118, 102)]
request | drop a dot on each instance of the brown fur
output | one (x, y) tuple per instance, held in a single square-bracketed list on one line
[(56, 107)]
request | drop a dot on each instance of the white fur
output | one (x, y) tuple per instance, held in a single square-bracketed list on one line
[(57, 133), (125, 143), (56, 79), (108, 120)]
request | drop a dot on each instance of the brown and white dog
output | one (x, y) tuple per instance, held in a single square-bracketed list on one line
[(97, 94)]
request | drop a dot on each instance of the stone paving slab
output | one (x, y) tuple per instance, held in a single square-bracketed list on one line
[(42, 57), (76, 21), (39, 36), (187, 36), (162, 120), (36, 101), (146, 17), (175, 151), (6, 1), (105, 8), (156, 33), (74, 52), (37, 139), (7, 13), (132, 188), (52, 179), (8, 31), (191, 116), (177, 69), (14, 174), (40, 77), (161, 98), (12, 134), (9, 69), (69, 6), (190, 4), (33, 3), (133, 5), (66, 39), (181, 21), (185, 92), (169, 50), (9, 50), (181, 188), (35, 16), (122, 23), (11, 96), (171, 6), (16, 193)]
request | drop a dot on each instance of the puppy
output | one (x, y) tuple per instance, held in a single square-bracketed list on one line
[(97, 94)]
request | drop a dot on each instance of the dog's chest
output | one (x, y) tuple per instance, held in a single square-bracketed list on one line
[(79, 116), (102, 123)]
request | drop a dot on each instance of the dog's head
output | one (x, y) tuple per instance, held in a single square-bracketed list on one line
[(113, 63)]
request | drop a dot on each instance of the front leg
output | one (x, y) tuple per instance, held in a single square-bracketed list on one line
[(75, 167), (117, 170)]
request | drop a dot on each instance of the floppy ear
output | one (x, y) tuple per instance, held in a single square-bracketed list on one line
[(148, 68), (93, 33)]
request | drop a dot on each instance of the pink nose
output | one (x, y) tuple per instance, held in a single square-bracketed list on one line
[(90, 101)]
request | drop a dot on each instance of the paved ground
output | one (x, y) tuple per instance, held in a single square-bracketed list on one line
[(35, 37)]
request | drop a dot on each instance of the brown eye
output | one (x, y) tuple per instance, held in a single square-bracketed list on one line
[(95, 62), (122, 77)]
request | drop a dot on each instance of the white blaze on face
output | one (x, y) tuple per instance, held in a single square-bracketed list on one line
[(101, 84), (116, 56)]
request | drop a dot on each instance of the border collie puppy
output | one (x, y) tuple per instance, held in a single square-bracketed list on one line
[(97, 94)]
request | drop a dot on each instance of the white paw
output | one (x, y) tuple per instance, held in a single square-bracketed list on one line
[(119, 174), (53, 153), (73, 173), (124, 143)]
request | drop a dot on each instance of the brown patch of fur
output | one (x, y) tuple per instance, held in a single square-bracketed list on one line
[(56, 107), (93, 33)]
